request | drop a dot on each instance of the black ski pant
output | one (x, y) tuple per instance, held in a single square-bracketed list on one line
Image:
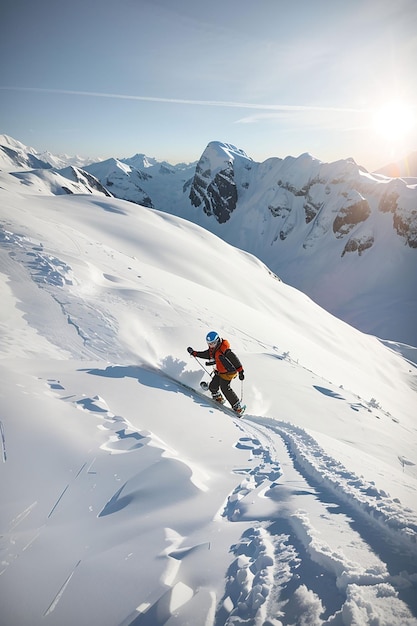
[(224, 385)]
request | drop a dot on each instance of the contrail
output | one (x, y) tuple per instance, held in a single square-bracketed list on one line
[(207, 103)]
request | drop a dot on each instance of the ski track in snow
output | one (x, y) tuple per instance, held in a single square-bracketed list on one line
[(95, 329), (280, 543), (3, 442), (273, 554)]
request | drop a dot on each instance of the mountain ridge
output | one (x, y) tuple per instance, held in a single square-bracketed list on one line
[(345, 237)]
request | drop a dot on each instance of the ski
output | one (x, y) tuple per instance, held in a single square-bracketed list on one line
[(204, 387), (200, 393), (221, 405)]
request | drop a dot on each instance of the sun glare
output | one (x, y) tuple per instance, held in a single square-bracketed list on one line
[(394, 120)]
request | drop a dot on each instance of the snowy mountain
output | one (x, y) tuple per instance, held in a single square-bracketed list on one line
[(13, 154), (70, 180), (146, 181), (125, 180), (127, 498), (343, 236)]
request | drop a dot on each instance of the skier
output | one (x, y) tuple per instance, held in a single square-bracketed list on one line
[(227, 367)]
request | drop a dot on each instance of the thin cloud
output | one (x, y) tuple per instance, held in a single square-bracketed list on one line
[(208, 103), (334, 117)]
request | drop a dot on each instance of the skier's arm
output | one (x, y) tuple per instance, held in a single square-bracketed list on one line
[(204, 354)]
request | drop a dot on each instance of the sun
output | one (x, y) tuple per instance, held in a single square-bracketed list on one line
[(394, 120)]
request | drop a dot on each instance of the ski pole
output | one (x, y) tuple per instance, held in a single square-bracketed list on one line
[(202, 367)]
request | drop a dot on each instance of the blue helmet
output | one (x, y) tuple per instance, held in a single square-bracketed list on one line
[(213, 339)]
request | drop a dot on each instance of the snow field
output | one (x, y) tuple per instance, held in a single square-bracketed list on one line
[(127, 499)]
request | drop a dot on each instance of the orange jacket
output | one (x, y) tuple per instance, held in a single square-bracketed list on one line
[(227, 363)]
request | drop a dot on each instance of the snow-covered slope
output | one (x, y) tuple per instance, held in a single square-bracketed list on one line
[(70, 180), (128, 499), (14, 154)]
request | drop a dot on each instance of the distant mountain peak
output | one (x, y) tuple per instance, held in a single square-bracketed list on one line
[(140, 161)]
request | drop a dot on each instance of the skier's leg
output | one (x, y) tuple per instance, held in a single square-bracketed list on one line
[(214, 388), (214, 384), (228, 392)]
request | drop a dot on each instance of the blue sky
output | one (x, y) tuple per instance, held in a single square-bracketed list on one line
[(164, 77)]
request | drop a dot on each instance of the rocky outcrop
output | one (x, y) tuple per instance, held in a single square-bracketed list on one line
[(214, 186), (403, 209), (337, 198), (349, 216), (218, 195), (358, 244)]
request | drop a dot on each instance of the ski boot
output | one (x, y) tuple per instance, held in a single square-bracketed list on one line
[(217, 397), (239, 408)]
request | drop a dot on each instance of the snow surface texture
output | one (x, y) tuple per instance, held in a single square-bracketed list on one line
[(129, 500)]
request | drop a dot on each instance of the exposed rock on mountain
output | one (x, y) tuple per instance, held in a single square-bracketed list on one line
[(350, 215), (404, 219), (358, 244), (338, 196), (219, 196), (214, 185)]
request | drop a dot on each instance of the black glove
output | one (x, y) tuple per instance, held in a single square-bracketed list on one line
[(190, 350), (241, 375)]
